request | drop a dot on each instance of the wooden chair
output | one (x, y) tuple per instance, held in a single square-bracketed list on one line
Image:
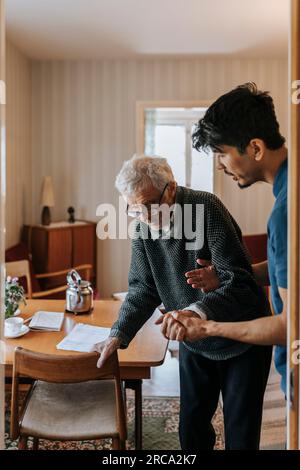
[(71, 399), (21, 269)]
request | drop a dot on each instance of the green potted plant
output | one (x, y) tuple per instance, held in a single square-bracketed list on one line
[(14, 296)]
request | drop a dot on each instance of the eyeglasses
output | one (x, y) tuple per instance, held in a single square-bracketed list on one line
[(138, 213)]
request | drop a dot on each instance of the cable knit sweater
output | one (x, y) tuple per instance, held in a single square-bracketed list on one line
[(157, 274)]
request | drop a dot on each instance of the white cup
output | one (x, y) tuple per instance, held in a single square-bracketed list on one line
[(13, 326)]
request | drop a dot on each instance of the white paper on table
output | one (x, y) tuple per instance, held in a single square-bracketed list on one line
[(48, 321), (83, 337)]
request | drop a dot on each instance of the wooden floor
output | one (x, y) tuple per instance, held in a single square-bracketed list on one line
[(274, 415), (164, 380)]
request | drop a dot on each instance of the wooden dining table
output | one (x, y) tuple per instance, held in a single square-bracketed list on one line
[(146, 350)]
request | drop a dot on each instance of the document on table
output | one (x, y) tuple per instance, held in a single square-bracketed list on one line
[(83, 337), (47, 321)]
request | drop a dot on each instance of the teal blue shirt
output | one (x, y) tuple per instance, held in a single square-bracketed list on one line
[(277, 257)]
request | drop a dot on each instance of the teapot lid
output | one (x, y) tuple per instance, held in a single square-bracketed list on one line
[(83, 284)]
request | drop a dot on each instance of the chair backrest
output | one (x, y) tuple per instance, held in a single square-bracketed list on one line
[(64, 369), (20, 269), (19, 252), (257, 246)]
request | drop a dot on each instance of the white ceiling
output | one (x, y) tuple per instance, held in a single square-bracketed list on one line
[(93, 29)]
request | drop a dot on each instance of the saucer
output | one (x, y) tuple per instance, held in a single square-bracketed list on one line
[(23, 331)]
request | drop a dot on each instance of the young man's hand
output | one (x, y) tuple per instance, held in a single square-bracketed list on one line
[(171, 328), (106, 349), (204, 278), (195, 327)]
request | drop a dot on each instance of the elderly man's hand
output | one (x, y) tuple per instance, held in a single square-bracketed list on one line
[(106, 348), (204, 278), (171, 328), (195, 327)]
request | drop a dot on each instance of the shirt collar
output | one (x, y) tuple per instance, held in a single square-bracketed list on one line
[(168, 232), (164, 232), (280, 178)]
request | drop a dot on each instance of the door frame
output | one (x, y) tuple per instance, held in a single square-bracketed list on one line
[(2, 209), (293, 421)]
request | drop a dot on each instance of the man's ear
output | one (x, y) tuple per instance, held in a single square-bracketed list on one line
[(172, 186), (257, 149)]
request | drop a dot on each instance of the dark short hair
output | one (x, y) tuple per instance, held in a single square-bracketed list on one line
[(235, 118)]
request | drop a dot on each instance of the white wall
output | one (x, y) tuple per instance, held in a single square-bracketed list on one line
[(18, 134), (84, 127)]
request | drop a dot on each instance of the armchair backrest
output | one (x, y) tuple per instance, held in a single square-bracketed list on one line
[(20, 269), (20, 252)]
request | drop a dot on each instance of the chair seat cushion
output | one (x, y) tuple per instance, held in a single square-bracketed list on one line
[(71, 411)]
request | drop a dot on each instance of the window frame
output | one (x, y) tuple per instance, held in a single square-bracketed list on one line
[(141, 107)]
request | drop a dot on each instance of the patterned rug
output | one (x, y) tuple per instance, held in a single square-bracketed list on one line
[(160, 428)]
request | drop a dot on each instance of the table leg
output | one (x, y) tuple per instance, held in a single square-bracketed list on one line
[(136, 385), (138, 416)]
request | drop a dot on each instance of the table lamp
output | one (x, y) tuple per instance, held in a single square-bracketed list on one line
[(47, 199)]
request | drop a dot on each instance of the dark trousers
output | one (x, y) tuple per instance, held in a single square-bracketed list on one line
[(241, 380)]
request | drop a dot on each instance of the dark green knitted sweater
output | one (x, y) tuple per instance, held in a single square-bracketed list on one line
[(157, 274)]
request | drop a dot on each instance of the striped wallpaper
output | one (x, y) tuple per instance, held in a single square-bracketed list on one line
[(83, 127), (18, 141)]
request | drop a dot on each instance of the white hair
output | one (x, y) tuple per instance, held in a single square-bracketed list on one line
[(140, 170)]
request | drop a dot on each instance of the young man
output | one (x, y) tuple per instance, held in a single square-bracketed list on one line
[(241, 127), (160, 257)]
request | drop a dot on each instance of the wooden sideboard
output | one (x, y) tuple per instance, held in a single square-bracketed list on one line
[(61, 245)]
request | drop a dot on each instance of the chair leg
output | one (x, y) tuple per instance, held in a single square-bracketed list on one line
[(35, 444), (22, 445), (122, 445), (116, 443), (124, 396)]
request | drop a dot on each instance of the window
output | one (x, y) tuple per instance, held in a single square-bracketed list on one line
[(168, 133)]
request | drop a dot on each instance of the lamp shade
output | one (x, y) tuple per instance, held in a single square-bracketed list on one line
[(47, 193)]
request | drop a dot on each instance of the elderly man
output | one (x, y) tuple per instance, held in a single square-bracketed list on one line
[(161, 255)]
